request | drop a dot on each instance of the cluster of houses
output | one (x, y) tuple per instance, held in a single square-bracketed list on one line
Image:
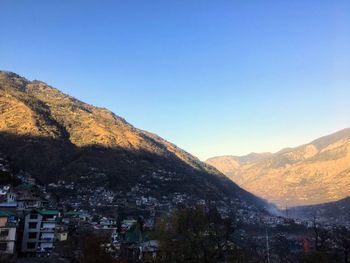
[(30, 226), (26, 227), (33, 222), (131, 241)]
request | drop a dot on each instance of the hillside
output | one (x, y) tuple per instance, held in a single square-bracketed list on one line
[(337, 212), (230, 165), (317, 172), (57, 137)]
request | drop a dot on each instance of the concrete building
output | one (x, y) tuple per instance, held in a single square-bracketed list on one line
[(8, 229), (26, 196), (39, 232)]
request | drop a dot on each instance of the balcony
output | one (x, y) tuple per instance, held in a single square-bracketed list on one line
[(45, 229), (46, 239), (49, 219)]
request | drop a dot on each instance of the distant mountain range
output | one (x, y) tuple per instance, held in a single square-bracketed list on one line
[(314, 173), (57, 137)]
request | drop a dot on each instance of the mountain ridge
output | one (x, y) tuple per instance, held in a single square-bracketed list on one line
[(309, 174), (55, 136)]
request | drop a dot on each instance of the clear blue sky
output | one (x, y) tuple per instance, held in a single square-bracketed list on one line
[(214, 77)]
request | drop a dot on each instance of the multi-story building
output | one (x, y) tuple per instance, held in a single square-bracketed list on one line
[(39, 232), (8, 228), (26, 196)]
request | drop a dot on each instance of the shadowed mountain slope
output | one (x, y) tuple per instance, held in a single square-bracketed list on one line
[(55, 136), (337, 212)]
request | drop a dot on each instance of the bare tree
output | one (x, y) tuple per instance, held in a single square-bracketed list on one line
[(196, 235), (321, 236), (342, 240)]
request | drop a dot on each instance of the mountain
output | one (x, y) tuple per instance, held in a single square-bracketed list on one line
[(317, 172), (230, 165), (337, 212), (56, 137)]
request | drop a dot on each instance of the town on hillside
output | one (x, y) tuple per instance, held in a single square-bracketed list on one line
[(38, 225)]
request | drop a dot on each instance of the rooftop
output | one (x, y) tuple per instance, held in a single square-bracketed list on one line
[(6, 213), (48, 212), (72, 213), (44, 212)]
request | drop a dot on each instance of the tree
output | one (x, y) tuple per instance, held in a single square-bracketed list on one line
[(280, 246), (195, 235), (321, 236), (342, 240), (314, 257), (92, 252)]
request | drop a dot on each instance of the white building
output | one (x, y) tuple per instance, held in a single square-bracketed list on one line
[(39, 232)]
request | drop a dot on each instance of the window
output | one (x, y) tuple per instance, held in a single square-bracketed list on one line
[(31, 245), (32, 225), (32, 235), (34, 216), (3, 246), (4, 233)]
